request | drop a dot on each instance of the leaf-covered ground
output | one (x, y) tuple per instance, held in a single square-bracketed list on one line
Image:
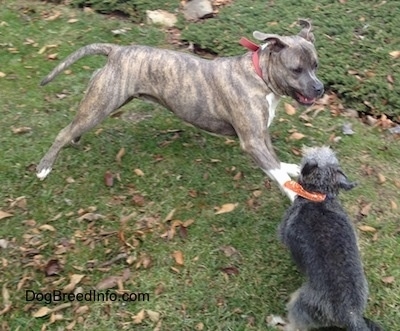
[(147, 208)]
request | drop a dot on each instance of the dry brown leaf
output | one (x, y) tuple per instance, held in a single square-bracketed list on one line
[(90, 217), (153, 315), (4, 214), (47, 227), (107, 283), (395, 54), (20, 130), (226, 208), (381, 178), (75, 279), (388, 279), (296, 136), (119, 155), (6, 300), (56, 317), (108, 178), (393, 205), (139, 317), (199, 326), (44, 311), (228, 250), (187, 223), (2, 74), (52, 268), (178, 257), (170, 215), (138, 200), (138, 172), (366, 209), (72, 20), (231, 270), (289, 109), (82, 310), (367, 228)]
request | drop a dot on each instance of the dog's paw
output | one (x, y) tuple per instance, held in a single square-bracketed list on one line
[(291, 168), (42, 174)]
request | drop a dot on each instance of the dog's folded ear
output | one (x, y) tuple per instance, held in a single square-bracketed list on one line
[(306, 31), (274, 42), (343, 182)]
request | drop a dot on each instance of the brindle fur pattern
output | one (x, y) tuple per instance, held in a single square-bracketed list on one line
[(323, 244), (223, 96)]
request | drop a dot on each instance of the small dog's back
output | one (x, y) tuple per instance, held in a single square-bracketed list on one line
[(323, 244)]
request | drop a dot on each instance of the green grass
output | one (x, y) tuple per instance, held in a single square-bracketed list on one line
[(181, 173)]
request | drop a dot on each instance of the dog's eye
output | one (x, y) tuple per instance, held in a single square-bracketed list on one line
[(315, 66), (297, 70)]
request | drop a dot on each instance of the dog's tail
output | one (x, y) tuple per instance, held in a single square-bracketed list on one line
[(93, 49), (365, 325)]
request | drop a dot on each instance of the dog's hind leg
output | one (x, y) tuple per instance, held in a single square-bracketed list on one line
[(103, 96), (300, 313)]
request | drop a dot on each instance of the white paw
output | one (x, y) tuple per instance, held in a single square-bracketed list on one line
[(42, 174), (291, 169)]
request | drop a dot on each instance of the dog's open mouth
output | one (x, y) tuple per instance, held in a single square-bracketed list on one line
[(304, 100)]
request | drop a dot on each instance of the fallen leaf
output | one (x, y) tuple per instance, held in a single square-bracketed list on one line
[(139, 317), (42, 312), (178, 256), (366, 209), (296, 136), (47, 227), (226, 208), (22, 129), (199, 326), (4, 214), (90, 217), (153, 315), (4, 243), (275, 321), (228, 250), (52, 268), (52, 56), (393, 205), (138, 200), (108, 178), (72, 20), (82, 310), (381, 178), (367, 228), (395, 54), (187, 223), (6, 300), (138, 172), (119, 156), (170, 215), (388, 279), (231, 270), (75, 279), (289, 109), (2, 74), (238, 176)]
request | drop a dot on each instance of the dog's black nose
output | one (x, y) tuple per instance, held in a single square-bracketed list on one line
[(318, 88)]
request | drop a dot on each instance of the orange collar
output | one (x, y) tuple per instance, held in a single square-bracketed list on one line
[(252, 47), (298, 189)]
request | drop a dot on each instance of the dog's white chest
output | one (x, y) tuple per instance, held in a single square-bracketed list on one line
[(273, 101)]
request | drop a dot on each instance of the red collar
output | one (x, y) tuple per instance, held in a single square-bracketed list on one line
[(254, 48), (298, 189)]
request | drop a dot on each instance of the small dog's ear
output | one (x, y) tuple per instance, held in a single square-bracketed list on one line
[(274, 42), (306, 31), (343, 182), (308, 167)]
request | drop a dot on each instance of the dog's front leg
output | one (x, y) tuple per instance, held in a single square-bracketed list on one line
[(260, 148)]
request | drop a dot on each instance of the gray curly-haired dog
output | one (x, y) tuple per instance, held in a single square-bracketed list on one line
[(323, 244)]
